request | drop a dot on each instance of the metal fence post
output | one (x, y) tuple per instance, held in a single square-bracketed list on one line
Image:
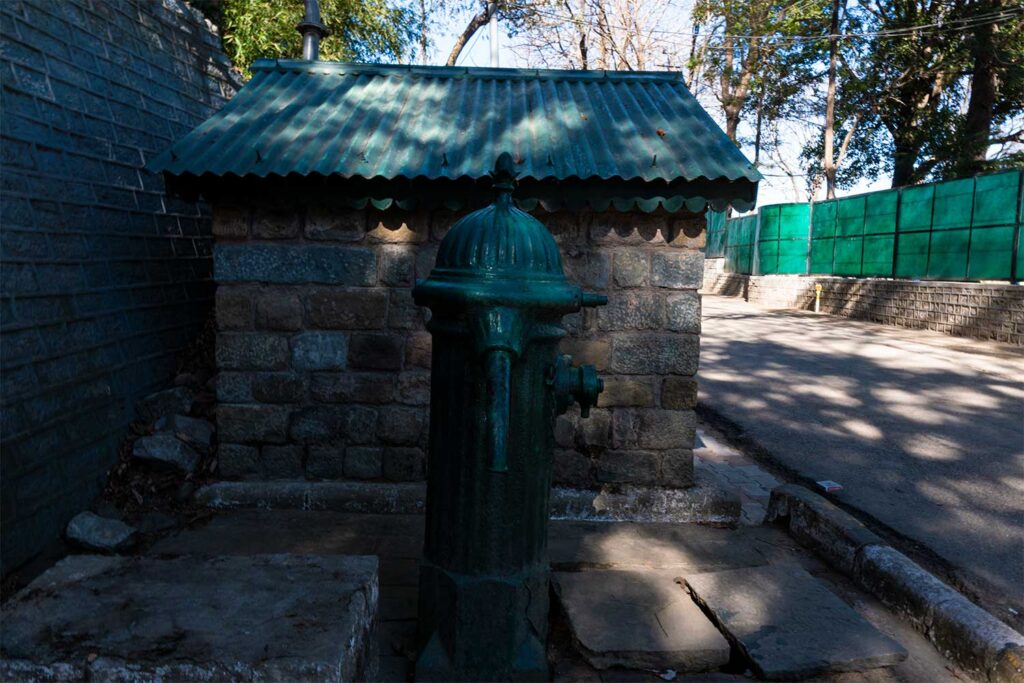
[(863, 236), (835, 236), (896, 232), (970, 228), (1015, 251), (931, 232), (755, 260), (810, 237)]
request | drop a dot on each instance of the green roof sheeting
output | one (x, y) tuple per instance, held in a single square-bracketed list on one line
[(604, 138)]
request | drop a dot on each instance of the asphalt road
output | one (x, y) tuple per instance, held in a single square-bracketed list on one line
[(924, 431)]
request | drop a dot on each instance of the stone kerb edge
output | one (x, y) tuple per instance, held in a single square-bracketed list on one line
[(708, 502), (959, 629)]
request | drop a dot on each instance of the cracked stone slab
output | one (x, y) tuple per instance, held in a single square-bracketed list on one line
[(640, 620), (265, 617), (788, 625)]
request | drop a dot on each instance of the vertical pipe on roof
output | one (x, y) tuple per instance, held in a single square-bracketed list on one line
[(493, 11), (312, 31)]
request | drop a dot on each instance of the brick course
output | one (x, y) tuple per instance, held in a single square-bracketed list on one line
[(990, 311), (104, 276), (320, 314)]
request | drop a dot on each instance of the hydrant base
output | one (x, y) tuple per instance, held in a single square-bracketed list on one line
[(483, 628)]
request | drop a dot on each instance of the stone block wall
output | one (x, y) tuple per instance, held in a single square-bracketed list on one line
[(988, 311), (104, 277), (324, 359)]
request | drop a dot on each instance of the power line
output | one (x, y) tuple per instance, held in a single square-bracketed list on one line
[(937, 28), (467, 50), (940, 26)]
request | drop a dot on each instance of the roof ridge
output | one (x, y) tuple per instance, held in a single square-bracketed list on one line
[(495, 73)]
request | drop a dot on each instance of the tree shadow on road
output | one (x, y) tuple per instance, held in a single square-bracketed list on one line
[(928, 440)]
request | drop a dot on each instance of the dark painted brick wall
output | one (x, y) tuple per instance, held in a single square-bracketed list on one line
[(104, 278)]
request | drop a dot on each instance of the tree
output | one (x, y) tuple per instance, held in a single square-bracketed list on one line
[(476, 22), (917, 83), (911, 72), (360, 30), (996, 88), (754, 49), (631, 35)]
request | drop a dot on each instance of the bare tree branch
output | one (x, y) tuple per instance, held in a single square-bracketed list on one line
[(475, 24)]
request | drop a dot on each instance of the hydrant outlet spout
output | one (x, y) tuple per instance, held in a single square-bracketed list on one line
[(579, 384)]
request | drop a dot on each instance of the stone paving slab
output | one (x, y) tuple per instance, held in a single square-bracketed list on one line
[(788, 625), (264, 617), (576, 546), (638, 619), (244, 532)]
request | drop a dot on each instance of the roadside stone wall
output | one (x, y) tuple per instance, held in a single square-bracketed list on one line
[(324, 360), (104, 277), (963, 309)]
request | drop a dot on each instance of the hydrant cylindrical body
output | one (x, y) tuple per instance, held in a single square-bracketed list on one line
[(497, 295)]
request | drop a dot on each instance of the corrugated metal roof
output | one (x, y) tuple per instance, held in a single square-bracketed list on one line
[(416, 124)]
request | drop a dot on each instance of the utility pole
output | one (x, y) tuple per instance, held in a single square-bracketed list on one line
[(493, 11)]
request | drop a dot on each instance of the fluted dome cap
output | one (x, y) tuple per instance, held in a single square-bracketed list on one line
[(499, 256), (501, 239)]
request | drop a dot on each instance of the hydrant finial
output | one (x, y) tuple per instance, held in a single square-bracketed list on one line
[(504, 173)]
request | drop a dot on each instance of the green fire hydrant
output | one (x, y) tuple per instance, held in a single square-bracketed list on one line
[(497, 295)]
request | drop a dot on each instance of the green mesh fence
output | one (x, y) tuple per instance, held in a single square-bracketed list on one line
[(782, 240), (714, 246), (739, 244), (966, 229)]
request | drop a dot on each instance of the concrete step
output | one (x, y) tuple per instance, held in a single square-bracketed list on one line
[(261, 617)]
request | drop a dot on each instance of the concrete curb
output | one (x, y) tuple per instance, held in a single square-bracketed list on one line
[(959, 629), (709, 502), (339, 496)]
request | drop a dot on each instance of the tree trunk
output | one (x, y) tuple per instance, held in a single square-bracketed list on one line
[(691, 65), (828, 163), (732, 123), (978, 121), (423, 31), (581, 23), (757, 128), (475, 24), (904, 160)]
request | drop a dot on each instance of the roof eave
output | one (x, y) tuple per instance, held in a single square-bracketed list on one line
[(552, 195)]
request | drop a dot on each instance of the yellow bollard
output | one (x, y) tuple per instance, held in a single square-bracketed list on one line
[(817, 298)]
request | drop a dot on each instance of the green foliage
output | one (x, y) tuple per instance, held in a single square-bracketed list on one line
[(360, 30), (906, 77)]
